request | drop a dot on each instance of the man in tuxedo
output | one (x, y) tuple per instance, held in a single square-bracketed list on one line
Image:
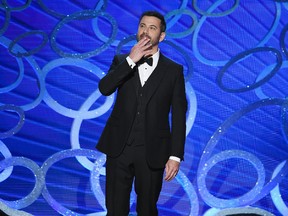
[(137, 139)]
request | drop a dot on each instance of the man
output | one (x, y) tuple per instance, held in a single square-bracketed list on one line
[(137, 138)]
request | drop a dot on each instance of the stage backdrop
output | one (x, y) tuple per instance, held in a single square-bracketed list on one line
[(53, 54)]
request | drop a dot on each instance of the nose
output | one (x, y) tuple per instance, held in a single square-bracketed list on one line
[(145, 31)]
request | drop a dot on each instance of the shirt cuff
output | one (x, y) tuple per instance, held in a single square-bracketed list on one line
[(175, 158), (130, 62)]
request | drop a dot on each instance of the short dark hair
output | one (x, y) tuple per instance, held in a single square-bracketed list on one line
[(158, 15)]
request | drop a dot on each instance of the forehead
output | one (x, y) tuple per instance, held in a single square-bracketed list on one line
[(151, 20)]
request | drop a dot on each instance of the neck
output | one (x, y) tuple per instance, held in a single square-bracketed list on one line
[(154, 50)]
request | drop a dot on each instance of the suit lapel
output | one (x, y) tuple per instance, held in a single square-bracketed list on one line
[(154, 80), (136, 81)]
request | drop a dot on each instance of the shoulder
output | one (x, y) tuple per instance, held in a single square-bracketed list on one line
[(120, 57), (170, 63)]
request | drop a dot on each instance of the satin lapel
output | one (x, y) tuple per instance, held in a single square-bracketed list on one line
[(136, 81), (156, 77)]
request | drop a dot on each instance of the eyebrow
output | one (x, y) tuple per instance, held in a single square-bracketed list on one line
[(149, 25)]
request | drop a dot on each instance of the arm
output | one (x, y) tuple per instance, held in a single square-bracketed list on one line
[(116, 76), (120, 69), (179, 108)]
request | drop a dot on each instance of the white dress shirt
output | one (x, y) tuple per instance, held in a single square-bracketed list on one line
[(145, 70)]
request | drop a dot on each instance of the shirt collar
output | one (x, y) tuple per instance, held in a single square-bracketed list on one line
[(155, 57)]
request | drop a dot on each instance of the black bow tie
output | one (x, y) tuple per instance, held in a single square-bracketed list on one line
[(149, 61)]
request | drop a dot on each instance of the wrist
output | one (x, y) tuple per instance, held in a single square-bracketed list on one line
[(175, 158)]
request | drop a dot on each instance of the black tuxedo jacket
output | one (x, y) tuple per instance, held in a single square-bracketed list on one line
[(166, 91)]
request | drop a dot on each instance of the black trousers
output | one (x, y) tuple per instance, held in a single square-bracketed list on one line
[(121, 172)]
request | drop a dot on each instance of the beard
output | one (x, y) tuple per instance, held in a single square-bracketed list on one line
[(139, 37), (143, 35)]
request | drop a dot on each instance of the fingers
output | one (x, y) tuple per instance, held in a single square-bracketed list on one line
[(170, 175), (171, 170), (144, 42), (145, 45), (142, 48)]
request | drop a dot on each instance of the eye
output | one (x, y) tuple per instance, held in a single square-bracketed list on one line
[(153, 28)]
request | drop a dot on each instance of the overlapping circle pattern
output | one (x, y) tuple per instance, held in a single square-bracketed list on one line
[(77, 60)]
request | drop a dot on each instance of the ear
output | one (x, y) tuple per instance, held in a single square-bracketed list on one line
[(162, 36)]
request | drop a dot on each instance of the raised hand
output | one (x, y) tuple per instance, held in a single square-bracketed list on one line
[(142, 49)]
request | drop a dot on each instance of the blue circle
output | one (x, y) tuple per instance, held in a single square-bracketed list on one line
[(26, 5), (85, 14), (82, 113), (188, 31), (21, 71), (276, 194), (242, 56), (20, 123), (243, 211), (207, 152), (282, 40), (100, 5), (7, 154), (210, 199), (31, 165), (7, 20), (51, 161), (32, 51), (38, 72), (175, 19), (208, 14), (263, 41), (284, 119), (258, 91)]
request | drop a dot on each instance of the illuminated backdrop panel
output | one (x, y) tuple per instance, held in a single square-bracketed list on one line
[(53, 54)]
